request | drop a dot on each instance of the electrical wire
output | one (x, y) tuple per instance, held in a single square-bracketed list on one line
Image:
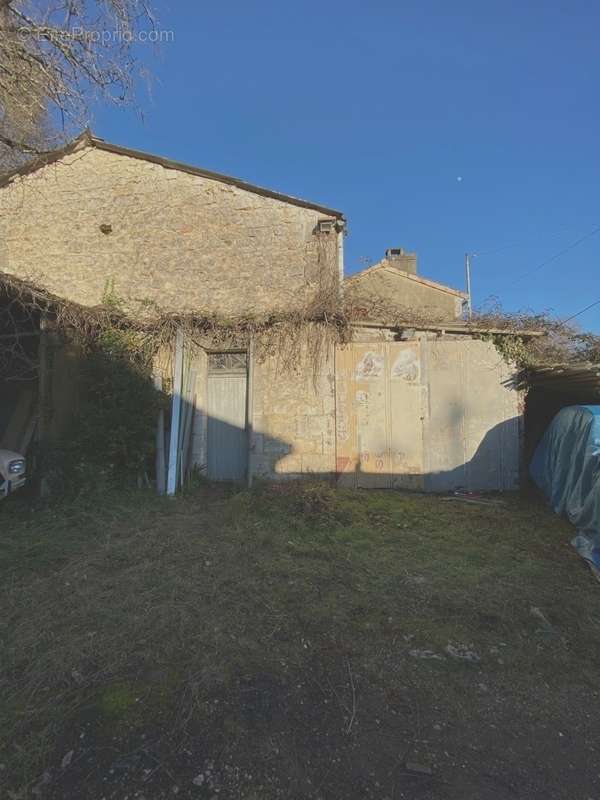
[(556, 255), (502, 248), (587, 308)]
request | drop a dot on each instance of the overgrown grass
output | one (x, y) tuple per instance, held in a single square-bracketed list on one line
[(197, 619)]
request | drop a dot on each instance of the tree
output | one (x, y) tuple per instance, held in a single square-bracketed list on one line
[(56, 58)]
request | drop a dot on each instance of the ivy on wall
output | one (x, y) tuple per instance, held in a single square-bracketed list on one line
[(513, 349)]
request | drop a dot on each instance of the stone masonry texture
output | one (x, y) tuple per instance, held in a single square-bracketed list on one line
[(161, 237), (293, 419), (399, 288)]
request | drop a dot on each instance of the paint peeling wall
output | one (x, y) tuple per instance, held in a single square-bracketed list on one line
[(379, 417), (472, 417), (429, 414), (426, 414)]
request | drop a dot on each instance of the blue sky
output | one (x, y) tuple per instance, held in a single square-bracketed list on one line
[(379, 108)]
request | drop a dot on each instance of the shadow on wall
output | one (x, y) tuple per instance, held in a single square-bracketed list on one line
[(229, 450), (493, 466)]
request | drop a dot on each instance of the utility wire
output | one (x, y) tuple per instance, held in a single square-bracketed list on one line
[(556, 255), (502, 248), (587, 308)]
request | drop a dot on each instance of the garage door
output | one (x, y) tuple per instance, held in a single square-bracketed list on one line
[(379, 415)]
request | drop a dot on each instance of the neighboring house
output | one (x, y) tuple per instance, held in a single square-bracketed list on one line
[(427, 406), (394, 281)]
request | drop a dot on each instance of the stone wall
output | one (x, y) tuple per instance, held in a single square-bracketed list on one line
[(444, 418), (406, 291), (181, 241), (293, 419)]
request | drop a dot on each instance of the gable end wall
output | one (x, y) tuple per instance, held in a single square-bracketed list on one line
[(184, 242), (394, 288)]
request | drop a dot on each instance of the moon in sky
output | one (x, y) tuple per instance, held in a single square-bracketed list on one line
[(459, 179)]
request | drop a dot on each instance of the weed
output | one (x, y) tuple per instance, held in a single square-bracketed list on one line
[(190, 617), (117, 700)]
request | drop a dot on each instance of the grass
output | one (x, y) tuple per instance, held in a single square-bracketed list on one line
[(292, 642)]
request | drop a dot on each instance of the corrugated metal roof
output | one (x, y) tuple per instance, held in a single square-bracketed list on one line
[(579, 381)]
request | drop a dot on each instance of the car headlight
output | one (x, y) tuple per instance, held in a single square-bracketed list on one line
[(16, 467)]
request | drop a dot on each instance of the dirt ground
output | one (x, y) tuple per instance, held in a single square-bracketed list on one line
[(296, 642)]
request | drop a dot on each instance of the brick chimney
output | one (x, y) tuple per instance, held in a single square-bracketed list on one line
[(400, 259)]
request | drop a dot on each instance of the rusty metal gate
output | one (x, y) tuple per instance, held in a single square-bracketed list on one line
[(379, 415)]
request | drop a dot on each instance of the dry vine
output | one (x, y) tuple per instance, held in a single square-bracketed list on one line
[(563, 343), (293, 337), (283, 335)]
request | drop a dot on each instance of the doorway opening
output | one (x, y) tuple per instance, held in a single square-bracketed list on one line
[(227, 437)]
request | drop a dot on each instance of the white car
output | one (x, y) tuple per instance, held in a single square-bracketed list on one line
[(12, 472)]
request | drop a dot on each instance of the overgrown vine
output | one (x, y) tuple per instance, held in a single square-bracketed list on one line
[(113, 434)]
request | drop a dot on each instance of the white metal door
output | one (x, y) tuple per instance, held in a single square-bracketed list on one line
[(227, 454), (379, 407)]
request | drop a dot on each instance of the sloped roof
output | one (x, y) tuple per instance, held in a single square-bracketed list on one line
[(574, 380), (87, 139), (388, 267)]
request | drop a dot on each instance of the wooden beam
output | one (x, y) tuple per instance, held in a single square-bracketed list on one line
[(446, 328)]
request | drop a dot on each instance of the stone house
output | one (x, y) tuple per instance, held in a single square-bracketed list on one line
[(426, 407), (395, 281)]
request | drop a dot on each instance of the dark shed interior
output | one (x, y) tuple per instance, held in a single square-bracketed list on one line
[(552, 388)]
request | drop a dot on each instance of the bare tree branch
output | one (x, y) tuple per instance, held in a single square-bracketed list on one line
[(57, 57)]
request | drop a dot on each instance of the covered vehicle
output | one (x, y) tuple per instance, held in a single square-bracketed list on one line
[(566, 467), (12, 472)]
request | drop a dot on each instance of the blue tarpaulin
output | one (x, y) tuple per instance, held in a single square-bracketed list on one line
[(566, 467)]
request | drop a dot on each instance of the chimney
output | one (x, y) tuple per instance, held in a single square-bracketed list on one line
[(400, 259)]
